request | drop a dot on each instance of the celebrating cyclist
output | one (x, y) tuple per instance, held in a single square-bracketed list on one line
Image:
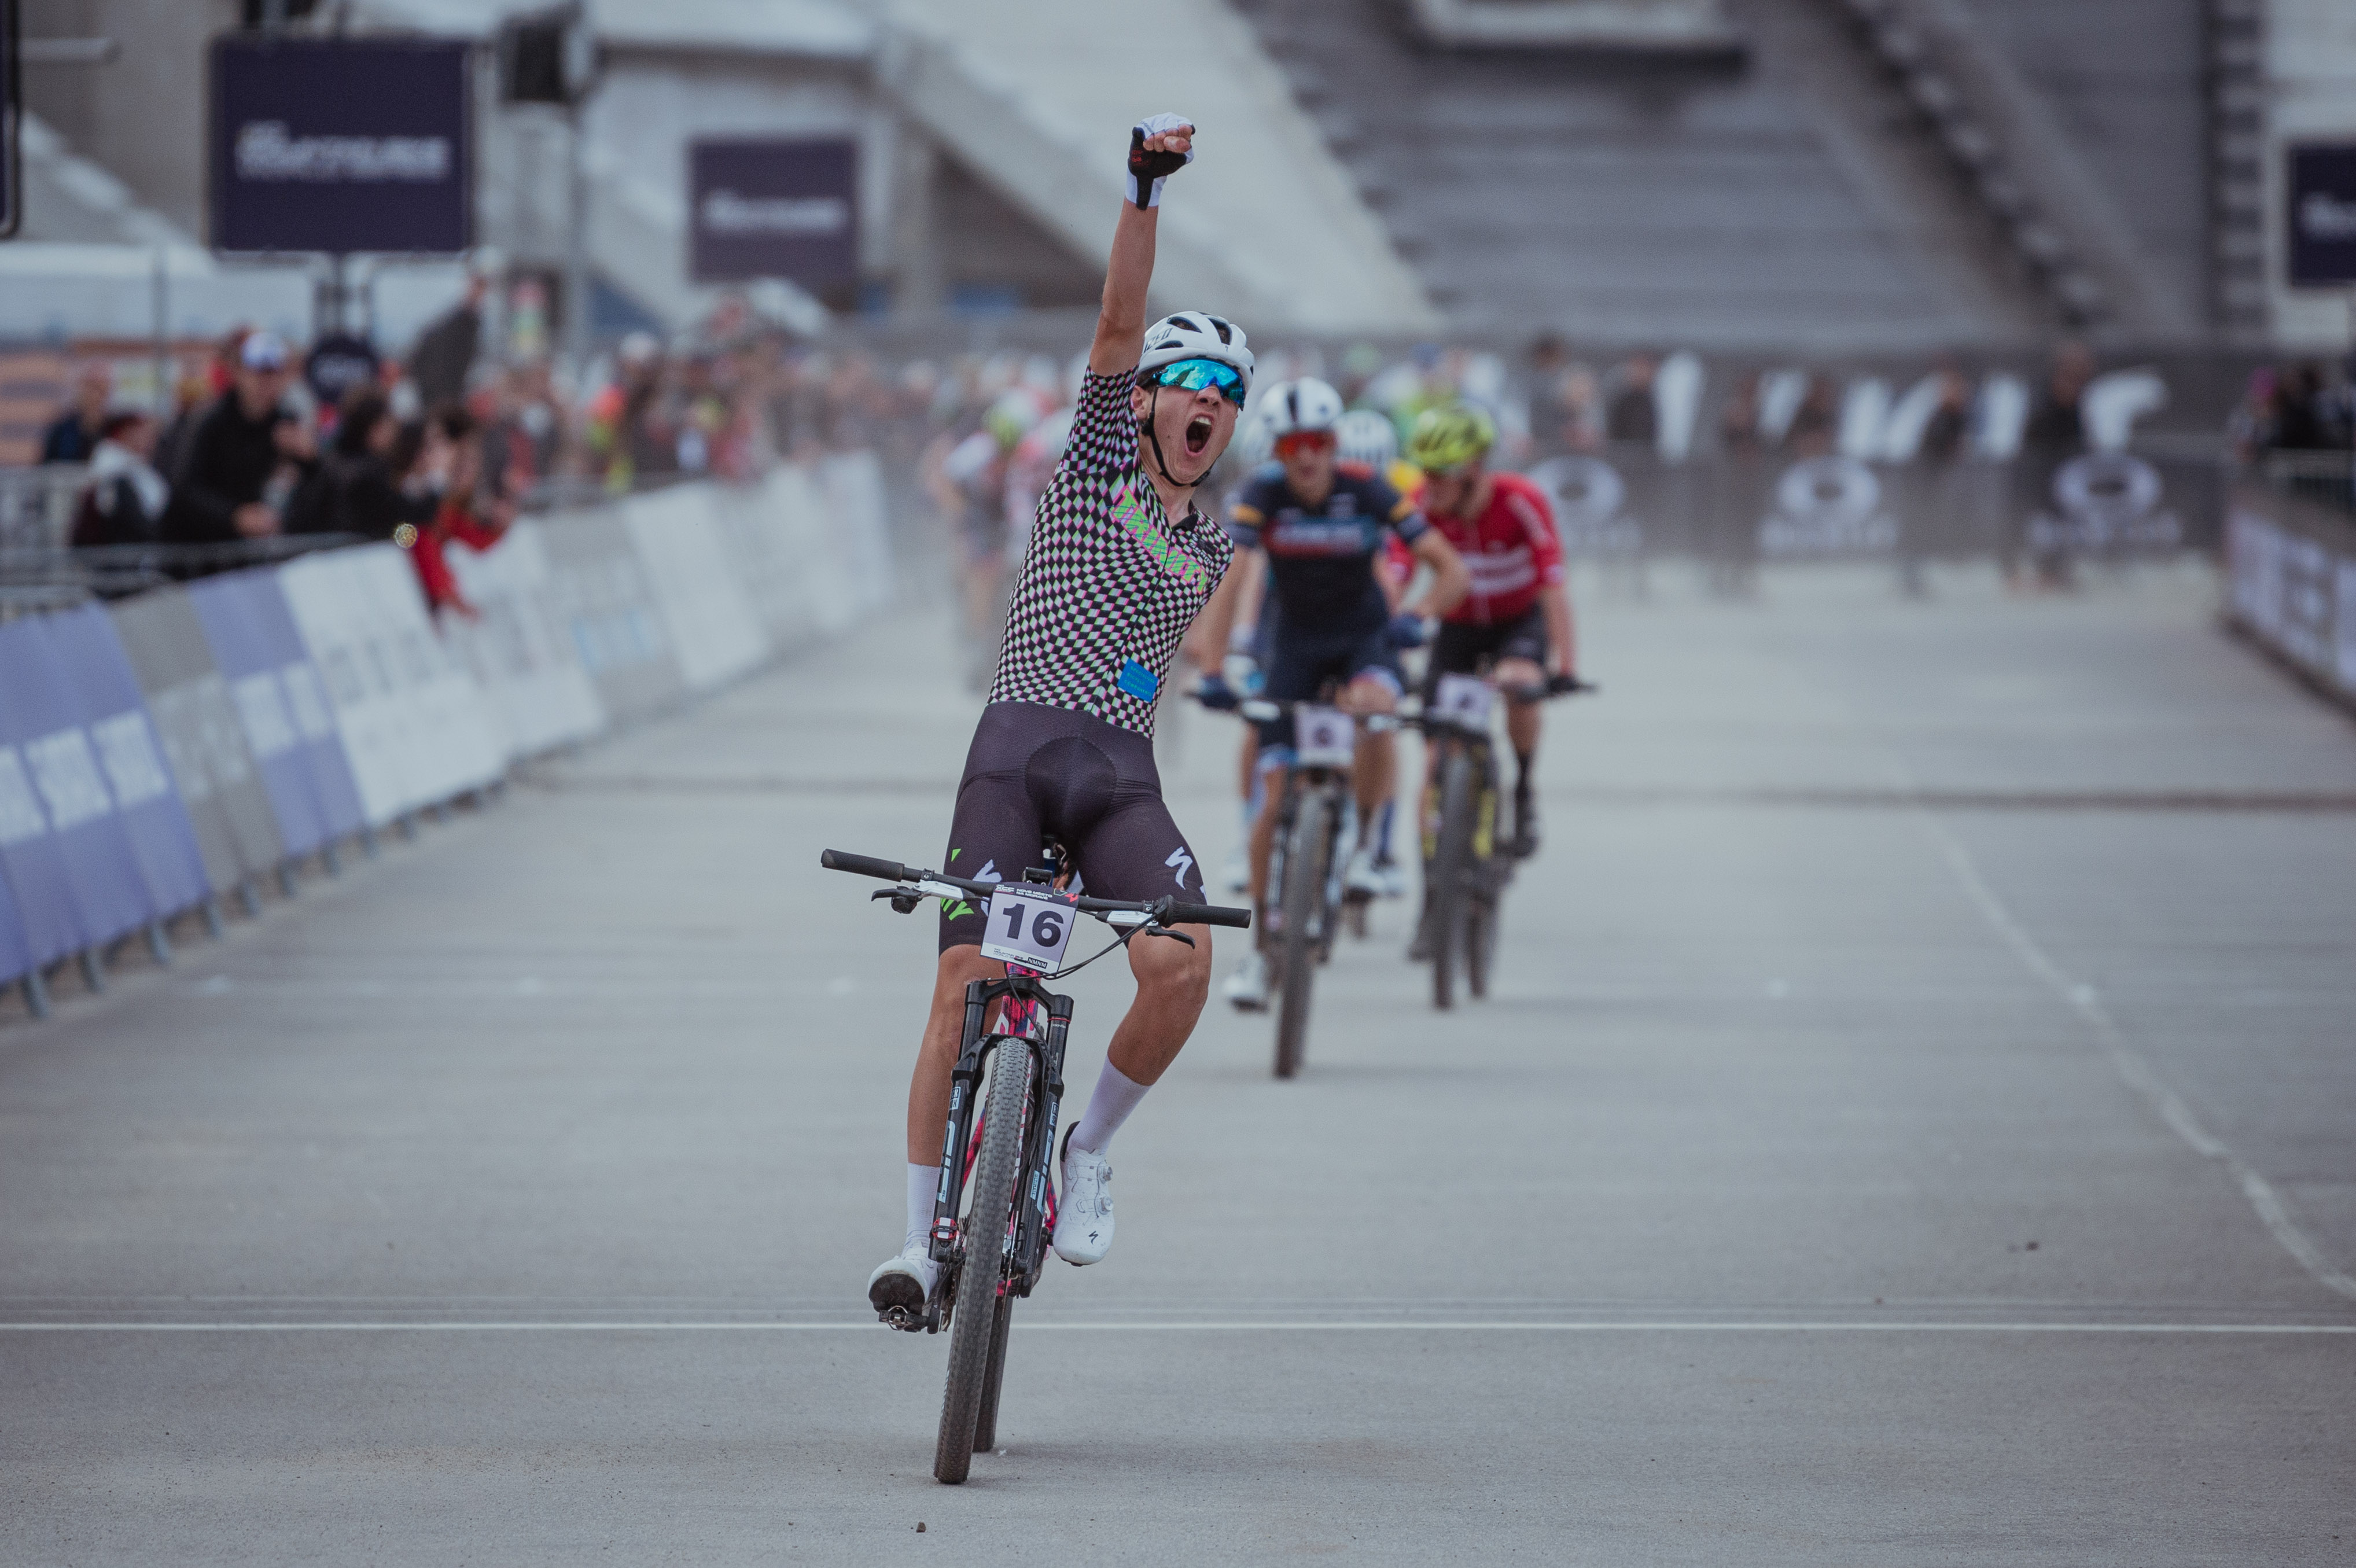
[(1119, 564), (1516, 618), (1321, 524)]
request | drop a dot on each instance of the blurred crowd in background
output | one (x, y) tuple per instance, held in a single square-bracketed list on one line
[(444, 446)]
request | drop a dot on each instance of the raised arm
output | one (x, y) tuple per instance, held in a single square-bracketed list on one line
[(1158, 149)]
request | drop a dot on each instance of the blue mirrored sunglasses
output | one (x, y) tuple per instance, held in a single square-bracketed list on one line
[(1193, 375)]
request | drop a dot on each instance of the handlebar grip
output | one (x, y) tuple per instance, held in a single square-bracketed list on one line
[(1207, 915), (863, 866)]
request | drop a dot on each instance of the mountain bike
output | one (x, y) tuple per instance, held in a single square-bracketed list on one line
[(1306, 902), (994, 1210), (1464, 870)]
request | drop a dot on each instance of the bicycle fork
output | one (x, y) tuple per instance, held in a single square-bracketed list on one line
[(1023, 994)]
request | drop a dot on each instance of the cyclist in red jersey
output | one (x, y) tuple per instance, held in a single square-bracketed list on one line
[(1516, 620)]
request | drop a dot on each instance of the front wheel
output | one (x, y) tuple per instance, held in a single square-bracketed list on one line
[(975, 1326), (1307, 864), (1448, 890)]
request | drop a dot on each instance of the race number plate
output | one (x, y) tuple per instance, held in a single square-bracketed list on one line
[(1465, 700), (1029, 930), (1322, 737)]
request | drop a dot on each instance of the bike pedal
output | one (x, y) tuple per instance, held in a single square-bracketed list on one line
[(901, 1319)]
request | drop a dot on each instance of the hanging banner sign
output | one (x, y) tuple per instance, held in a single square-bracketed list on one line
[(2319, 202), (775, 209), (340, 144)]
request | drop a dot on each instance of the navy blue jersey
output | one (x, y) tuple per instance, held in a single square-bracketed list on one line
[(1320, 563)]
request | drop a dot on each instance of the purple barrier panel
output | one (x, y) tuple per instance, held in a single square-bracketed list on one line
[(156, 822), (242, 653), (306, 699), (40, 718), (15, 948)]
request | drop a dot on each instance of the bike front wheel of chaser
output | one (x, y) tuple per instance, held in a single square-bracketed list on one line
[(1307, 867), (988, 1231), (1450, 872)]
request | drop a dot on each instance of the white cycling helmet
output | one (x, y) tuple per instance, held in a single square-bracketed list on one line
[(1196, 335), (1366, 437), (1304, 404)]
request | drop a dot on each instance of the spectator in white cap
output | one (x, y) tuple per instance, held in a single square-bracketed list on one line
[(245, 456)]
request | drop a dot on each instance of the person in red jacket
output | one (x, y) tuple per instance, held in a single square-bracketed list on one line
[(456, 447), (1516, 622)]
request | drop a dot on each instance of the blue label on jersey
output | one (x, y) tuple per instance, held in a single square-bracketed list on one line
[(1138, 681)]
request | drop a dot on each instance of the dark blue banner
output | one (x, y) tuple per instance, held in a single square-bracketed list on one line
[(340, 144), (775, 209), (2319, 202)]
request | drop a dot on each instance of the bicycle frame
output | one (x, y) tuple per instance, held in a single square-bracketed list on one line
[(1024, 994)]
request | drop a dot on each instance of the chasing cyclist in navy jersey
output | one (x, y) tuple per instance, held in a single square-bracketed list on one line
[(1323, 526), (1119, 564)]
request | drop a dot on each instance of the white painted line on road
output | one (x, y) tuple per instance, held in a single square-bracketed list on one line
[(2131, 1066), (1345, 1326)]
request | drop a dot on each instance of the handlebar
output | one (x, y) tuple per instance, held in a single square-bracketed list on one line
[(1159, 911)]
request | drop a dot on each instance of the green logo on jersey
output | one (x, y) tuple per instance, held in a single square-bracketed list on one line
[(1129, 510)]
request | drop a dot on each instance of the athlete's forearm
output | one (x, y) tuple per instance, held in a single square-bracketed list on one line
[(1561, 641), (1451, 579), (1121, 320), (1205, 643)]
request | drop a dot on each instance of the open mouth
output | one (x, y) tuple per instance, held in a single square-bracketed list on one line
[(1198, 435)]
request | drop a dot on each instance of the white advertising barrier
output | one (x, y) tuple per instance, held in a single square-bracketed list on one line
[(2294, 585), (770, 531), (413, 722), (536, 689), (852, 487), (713, 631)]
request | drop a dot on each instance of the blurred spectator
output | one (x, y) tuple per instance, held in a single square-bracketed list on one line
[(1633, 416), (245, 458), (189, 395), (1945, 436), (73, 436), (462, 518), (1816, 423), (365, 474), (2055, 434), (1550, 417), (630, 438), (521, 447), (125, 500), (446, 349), (2299, 418)]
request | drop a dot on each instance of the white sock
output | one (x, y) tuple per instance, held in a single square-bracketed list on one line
[(924, 1181), (1116, 1094)]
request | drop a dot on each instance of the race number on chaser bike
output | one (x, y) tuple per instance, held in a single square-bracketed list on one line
[(1464, 868), (994, 1208)]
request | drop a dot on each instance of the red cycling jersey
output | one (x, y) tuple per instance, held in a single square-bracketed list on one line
[(1510, 548)]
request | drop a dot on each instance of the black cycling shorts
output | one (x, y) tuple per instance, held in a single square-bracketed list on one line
[(1301, 666), (1035, 771), (1466, 650)]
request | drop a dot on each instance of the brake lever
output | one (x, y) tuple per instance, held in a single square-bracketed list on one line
[(1173, 936), (904, 900)]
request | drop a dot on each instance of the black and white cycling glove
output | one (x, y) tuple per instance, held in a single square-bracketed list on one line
[(1148, 170)]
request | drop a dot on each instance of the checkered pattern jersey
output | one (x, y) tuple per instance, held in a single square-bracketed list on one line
[(1107, 578)]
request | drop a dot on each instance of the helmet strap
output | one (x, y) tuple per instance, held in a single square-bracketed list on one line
[(1153, 439)]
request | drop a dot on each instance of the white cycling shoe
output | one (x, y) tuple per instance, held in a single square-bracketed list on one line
[(900, 1287), (1365, 876), (1084, 1207), (1247, 986)]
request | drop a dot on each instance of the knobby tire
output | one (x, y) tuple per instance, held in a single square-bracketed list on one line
[(1307, 869), (974, 1324), (985, 1423), (1452, 875)]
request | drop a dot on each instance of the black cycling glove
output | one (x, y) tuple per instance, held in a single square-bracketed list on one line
[(1148, 170)]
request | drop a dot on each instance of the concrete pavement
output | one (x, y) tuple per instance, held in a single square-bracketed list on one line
[(1911, 1127)]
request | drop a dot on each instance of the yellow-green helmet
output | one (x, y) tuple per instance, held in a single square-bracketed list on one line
[(1449, 437)]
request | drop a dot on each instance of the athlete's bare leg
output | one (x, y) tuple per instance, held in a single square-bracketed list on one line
[(1173, 981)]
